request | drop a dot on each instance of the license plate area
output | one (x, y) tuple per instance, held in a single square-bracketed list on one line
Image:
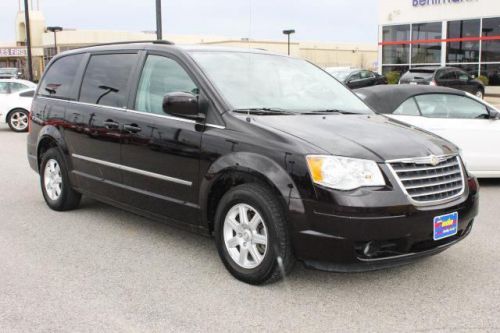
[(445, 226)]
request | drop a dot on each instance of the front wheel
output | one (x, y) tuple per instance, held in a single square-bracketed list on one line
[(251, 235), (18, 120)]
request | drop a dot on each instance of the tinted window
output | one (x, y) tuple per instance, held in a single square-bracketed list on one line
[(396, 54), (408, 108), (366, 75), (492, 72), (29, 93), (106, 79), (426, 53), (464, 51), (491, 49), (446, 75), (161, 76), (355, 76), (451, 106), (59, 79)]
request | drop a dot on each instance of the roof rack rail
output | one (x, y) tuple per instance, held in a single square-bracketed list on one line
[(164, 42)]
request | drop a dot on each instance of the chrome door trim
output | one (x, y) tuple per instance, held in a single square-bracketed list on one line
[(133, 170), (135, 111)]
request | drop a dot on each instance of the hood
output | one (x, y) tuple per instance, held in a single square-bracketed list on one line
[(373, 137)]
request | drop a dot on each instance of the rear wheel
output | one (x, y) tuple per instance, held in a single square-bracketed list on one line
[(251, 235), (18, 120), (54, 180)]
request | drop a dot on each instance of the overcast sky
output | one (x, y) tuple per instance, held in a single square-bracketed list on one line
[(314, 20)]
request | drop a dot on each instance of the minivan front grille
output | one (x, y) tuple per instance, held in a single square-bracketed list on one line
[(430, 179)]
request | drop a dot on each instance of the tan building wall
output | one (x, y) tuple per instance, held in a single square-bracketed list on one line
[(322, 54)]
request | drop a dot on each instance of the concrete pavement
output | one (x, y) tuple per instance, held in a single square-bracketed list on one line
[(100, 269)]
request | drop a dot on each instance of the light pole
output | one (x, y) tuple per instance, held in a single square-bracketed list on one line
[(55, 30), (159, 33), (28, 39), (288, 33)]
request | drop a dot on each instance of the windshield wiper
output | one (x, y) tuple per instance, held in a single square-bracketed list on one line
[(264, 111), (329, 111)]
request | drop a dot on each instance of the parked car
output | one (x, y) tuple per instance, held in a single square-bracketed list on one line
[(358, 78), (460, 117), (450, 77), (14, 110), (9, 86), (270, 154), (10, 73)]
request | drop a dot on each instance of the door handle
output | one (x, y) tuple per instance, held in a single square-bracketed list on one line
[(110, 124), (132, 128)]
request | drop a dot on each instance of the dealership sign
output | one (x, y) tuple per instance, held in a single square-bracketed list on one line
[(422, 3), (12, 52)]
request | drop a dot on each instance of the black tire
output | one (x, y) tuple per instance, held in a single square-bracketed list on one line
[(13, 117), (279, 247), (68, 199)]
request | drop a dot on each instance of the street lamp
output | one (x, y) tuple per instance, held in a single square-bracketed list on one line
[(159, 32), (288, 33), (55, 30), (28, 39)]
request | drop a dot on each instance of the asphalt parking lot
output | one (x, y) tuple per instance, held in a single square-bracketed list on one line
[(102, 269)]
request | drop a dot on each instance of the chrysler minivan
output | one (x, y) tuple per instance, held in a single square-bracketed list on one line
[(271, 155)]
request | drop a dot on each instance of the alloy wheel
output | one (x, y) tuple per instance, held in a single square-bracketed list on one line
[(19, 120), (245, 236), (52, 179)]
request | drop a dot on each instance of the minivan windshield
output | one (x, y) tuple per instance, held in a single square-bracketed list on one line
[(250, 81)]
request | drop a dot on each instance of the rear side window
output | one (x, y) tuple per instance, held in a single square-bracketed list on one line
[(106, 79), (408, 108), (17, 87), (4, 88), (59, 80), (29, 93), (451, 106)]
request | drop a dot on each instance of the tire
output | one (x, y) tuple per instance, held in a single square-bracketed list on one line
[(54, 180), (262, 208), (479, 94), (18, 120)]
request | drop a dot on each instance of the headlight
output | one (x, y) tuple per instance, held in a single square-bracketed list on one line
[(343, 173)]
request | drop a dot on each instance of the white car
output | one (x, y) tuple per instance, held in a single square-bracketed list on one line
[(467, 121), (14, 109), (10, 86)]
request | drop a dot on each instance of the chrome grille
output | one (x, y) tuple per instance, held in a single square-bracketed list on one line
[(430, 179)]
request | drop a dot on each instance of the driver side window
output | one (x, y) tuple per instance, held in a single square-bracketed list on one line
[(451, 107), (161, 76)]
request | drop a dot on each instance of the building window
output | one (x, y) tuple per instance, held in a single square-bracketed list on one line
[(492, 72), (427, 48), (395, 54), (466, 50), (400, 69), (394, 49), (491, 48)]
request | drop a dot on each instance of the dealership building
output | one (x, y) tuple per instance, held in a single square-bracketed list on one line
[(459, 33)]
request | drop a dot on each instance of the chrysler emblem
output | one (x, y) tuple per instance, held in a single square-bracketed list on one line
[(434, 160)]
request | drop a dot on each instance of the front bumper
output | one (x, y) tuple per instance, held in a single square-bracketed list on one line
[(371, 237)]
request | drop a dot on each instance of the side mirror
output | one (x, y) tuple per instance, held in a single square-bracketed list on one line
[(183, 105)]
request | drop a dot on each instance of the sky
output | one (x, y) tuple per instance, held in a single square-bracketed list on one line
[(313, 20)]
